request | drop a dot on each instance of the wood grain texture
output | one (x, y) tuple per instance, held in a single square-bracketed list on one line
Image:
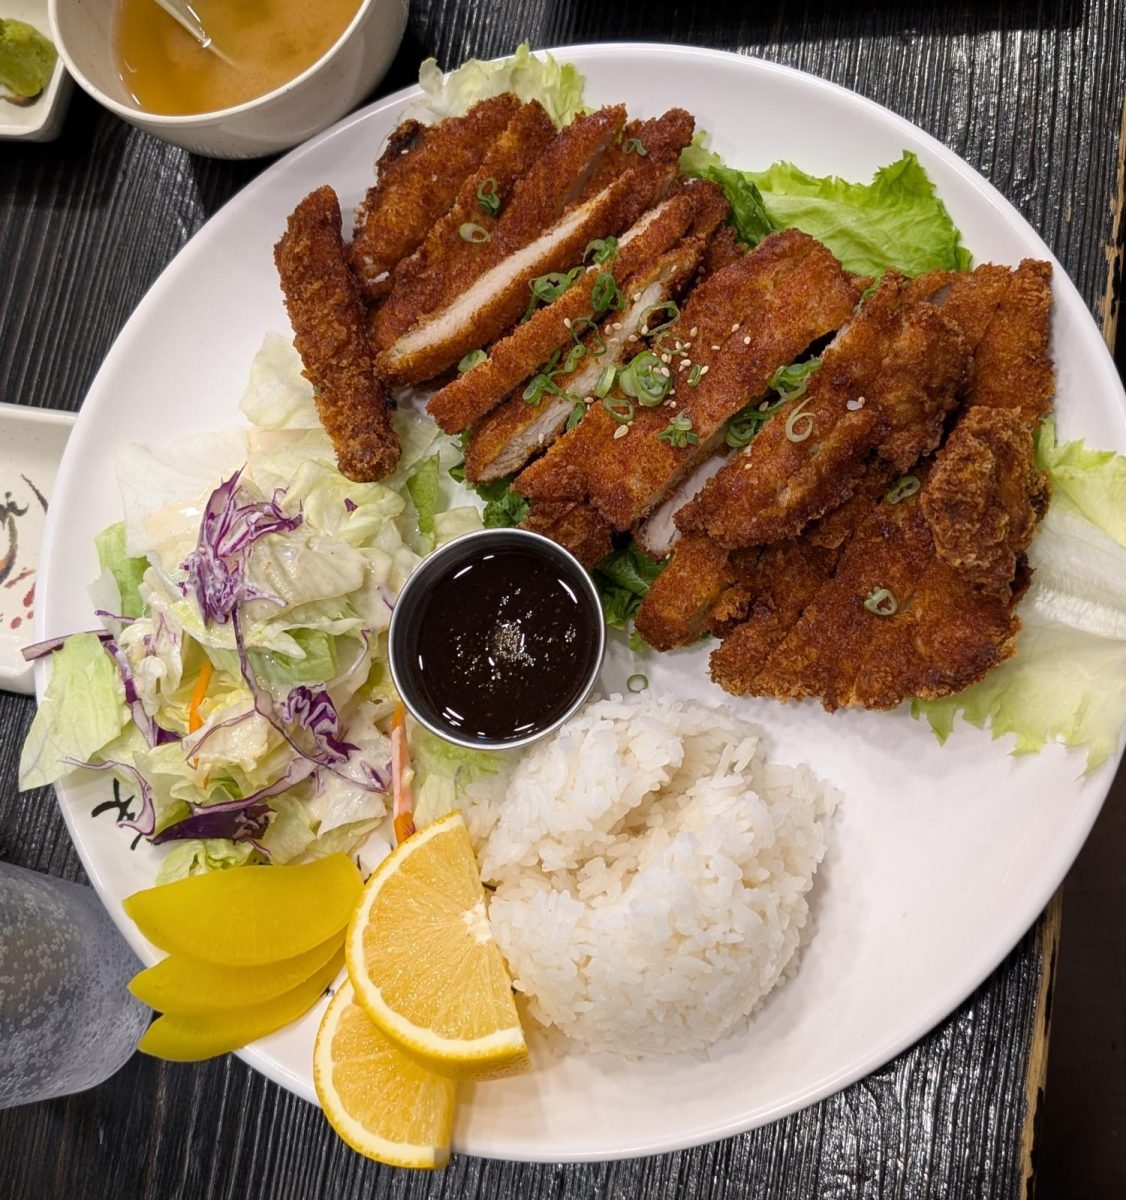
[(1030, 94)]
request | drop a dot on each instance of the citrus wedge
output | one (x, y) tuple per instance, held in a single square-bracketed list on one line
[(189, 1039), (380, 1101), (189, 987), (246, 916), (423, 961)]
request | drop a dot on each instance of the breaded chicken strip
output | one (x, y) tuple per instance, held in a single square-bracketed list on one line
[(328, 321), (502, 442), (575, 526), (417, 339), (520, 354), (681, 598), (886, 383), (985, 496), (423, 281), (417, 179)]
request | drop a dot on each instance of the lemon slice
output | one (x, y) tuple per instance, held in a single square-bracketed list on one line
[(380, 1101), (423, 961)]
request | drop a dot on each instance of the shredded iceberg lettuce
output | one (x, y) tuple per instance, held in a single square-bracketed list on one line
[(1067, 681), (242, 689)]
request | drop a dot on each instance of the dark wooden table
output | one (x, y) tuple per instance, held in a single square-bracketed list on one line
[(1031, 94)]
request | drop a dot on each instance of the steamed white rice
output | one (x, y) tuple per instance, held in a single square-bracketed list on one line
[(651, 870)]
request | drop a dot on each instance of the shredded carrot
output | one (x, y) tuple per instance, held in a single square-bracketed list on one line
[(195, 721), (401, 776)]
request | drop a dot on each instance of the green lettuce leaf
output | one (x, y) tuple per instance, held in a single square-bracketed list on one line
[(81, 711), (897, 220), (623, 579), (442, 770), (127, 572), (748, 212), (557, 86), (503, 506), (1067, 681), (423, 488)]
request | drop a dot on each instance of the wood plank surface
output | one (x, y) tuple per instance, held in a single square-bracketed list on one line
[(1031, 95)]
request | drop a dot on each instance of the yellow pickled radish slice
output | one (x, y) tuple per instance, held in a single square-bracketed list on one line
[(189, 987), (189, 1039), (246, 916), (423, 961), (379, 1100)]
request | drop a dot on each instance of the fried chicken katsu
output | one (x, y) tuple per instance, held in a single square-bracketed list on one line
[(886, 384), (417, 178), (858, 543), (329, 331)]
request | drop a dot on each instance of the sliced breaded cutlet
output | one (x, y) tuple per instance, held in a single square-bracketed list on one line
[(517, 356), (536, 234), (418, 177), (886, 384), (736, 327), (330, 334)]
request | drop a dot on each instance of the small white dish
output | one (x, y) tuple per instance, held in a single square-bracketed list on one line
[(320, 95), (41, 120), (31, 447)]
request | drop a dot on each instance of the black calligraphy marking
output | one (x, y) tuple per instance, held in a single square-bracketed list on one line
[(38, 494), (122, 806)]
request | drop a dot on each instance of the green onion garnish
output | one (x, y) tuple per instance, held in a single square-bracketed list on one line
[(792, 432), (606, 294), (577, 414), (695, 375), (678, 432), (637, 683), (669, 306), (667, 342), (646, 378), (621, 410), (746, 423), (584, 325), (487, 196), (471, 360), (634, 145), (605, 382), (602, 249), (907, 486), (574, 357), (881, 602), (470, 232), (790, 382)]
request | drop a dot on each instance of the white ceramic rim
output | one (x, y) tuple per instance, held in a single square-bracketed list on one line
[(195, 120), (1006, 932)]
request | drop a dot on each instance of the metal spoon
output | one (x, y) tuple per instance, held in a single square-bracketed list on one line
[(187, 18)]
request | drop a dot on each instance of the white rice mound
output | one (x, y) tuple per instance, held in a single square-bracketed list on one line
[(651, 870)]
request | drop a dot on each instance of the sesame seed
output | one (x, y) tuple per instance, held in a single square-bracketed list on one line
[(735, 327), (620, 432), (665, 359), (616, 325), (692, 331), (636, 297), (645, 330), (715, 347), (632, 337), (685, 362), (746, 341), (764, 406), (854, 405), (567, 322), (704, 370)]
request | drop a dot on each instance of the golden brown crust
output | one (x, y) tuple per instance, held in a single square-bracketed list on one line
[(328, 321), (887, 383), (417, 179), (432, 275), (503, 441), (576, 527), (675, 612), (984, 497), (520, 354)]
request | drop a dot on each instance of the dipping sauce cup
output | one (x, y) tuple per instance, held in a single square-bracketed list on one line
[(496, 639)]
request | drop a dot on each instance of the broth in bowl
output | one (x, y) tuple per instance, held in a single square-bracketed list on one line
[(164, 70)]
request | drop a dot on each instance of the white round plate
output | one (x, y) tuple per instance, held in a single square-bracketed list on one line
[(941, 857)]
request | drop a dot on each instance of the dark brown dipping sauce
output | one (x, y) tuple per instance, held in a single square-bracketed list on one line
[(506, 643)]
